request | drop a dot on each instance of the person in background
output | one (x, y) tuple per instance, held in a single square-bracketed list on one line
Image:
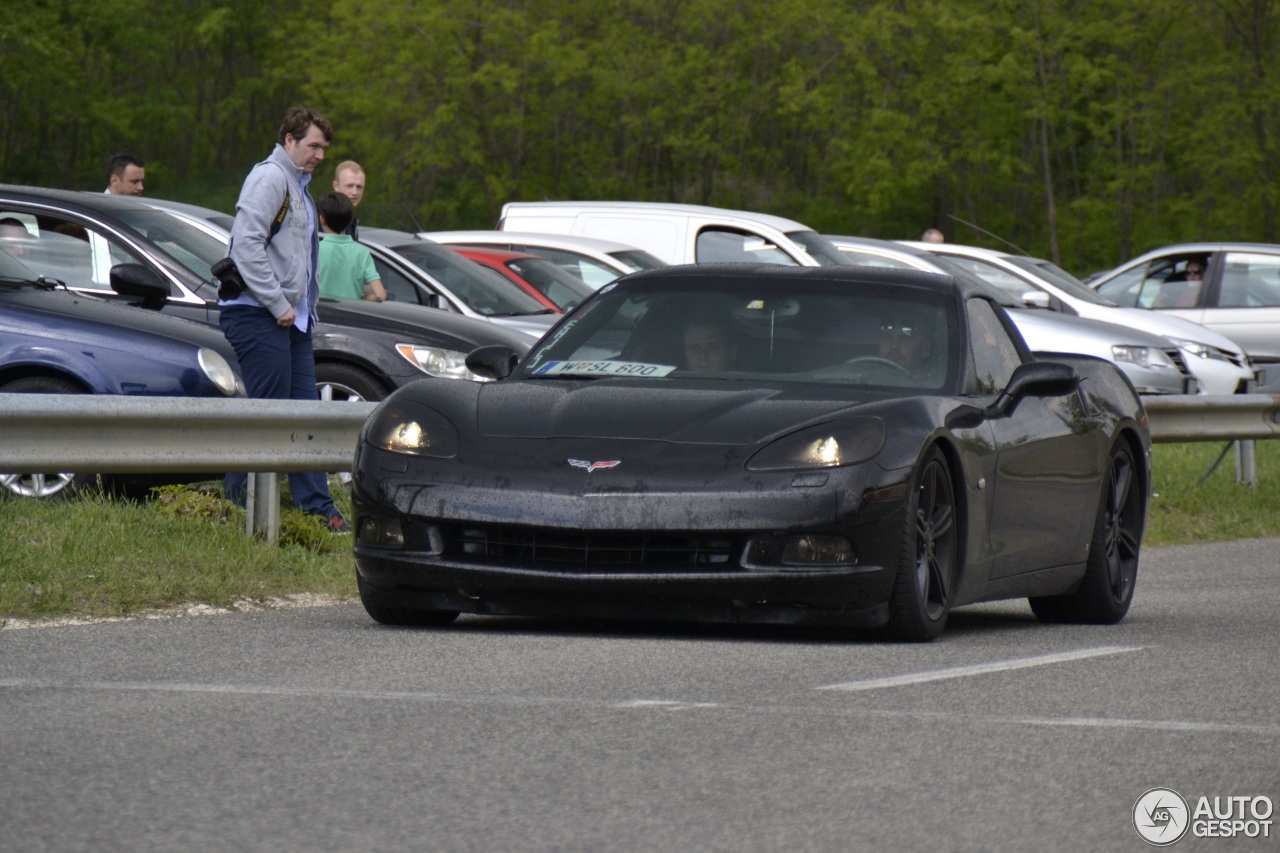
[(125, 175), (349, 180), (347, 270), (933, 235), (275, 247)]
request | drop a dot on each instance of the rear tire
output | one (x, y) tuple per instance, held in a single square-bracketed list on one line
[(1106, 591), (46, 485), (930, 558), (401, 615)]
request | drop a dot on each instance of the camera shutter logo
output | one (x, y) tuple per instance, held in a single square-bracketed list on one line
[(1161, 816)]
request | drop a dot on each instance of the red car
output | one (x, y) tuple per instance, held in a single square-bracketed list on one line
[(541, 278)]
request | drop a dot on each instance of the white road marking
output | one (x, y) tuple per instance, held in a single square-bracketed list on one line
[(1192, 727), (665, 704), (979, 669)]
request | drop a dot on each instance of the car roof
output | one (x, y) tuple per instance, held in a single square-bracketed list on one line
[(82, 199), (848, 274), (550, 241), (781, 223)]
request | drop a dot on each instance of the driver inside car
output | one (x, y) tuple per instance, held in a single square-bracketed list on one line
[(903, 340)]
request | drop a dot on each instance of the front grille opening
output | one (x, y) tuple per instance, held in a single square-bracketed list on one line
[(599, 551)]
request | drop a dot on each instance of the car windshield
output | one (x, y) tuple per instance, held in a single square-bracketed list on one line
[(195, 249), (764, 329), (1060, 279), (819, 248), (637, 259), (562, 288), (484, 292), (13, 271)]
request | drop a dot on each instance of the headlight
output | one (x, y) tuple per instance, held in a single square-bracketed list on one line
[(1201, 350), (1142, 356), (218, 370), (828, 445), (437, 361), (403, 427)]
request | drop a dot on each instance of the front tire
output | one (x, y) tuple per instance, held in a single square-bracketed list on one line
[(1106, 591), (930, 559), (385, 615), (345, 383)]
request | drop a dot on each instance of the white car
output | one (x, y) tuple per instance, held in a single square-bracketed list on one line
[(1219, 364), (595, 261), (678, 233), (1238, 294), (1153, 364)]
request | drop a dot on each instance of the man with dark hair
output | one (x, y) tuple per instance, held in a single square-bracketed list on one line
[(347, 270), (125, 175), (275, 247)]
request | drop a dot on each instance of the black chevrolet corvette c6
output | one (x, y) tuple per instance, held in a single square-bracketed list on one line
[(741, 443)]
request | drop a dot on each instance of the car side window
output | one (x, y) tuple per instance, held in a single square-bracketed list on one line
[(1250, 280), (721, 245), (61, 248), (398, 286), (995, 356)]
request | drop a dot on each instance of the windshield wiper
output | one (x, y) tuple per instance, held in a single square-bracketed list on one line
[(48, 283)]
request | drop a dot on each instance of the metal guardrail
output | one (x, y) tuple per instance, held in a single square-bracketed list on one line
[(143, 435)]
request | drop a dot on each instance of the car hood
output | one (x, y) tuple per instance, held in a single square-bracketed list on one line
[(1049, 331), (534, 326), (688, 412), (1169, 327), (63, 303), (420, 324)]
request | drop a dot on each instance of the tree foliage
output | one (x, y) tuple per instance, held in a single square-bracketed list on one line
[(1081, 130)]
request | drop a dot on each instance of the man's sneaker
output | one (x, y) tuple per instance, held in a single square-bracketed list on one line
[(338, 525)]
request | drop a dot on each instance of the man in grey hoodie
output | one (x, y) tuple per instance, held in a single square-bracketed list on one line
[(275, 245)]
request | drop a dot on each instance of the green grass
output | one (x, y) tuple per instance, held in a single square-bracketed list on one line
[(1185, 510), (96, 557), (92, 556)]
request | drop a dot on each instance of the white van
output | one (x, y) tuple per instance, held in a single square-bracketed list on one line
[(678, 233)]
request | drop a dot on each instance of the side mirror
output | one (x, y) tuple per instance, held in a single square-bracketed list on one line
[(141, 283), (496, 361), (1036, 299), (1037, 379)]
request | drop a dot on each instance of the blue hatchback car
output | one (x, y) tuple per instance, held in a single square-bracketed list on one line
[(54, 341)]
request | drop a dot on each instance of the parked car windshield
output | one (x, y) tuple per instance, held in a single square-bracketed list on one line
[(188, 245), (819, 248), (1060, 278), (637, 259), (776, 330), (483, 292)]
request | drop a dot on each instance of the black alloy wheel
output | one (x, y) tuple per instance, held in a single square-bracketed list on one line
[(925, 586), (1106, 591)]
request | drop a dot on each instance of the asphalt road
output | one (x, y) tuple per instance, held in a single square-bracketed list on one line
[(318, 730)]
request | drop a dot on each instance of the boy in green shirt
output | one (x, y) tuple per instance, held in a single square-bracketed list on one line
[(346, 268)]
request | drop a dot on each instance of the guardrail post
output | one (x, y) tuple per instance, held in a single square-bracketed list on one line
[(1247, 463), (262, 506)]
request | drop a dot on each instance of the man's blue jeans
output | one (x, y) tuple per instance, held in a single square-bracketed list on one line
[(277, 363)]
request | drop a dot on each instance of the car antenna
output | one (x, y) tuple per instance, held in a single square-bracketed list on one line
[(1018, 249), (409, 210)]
